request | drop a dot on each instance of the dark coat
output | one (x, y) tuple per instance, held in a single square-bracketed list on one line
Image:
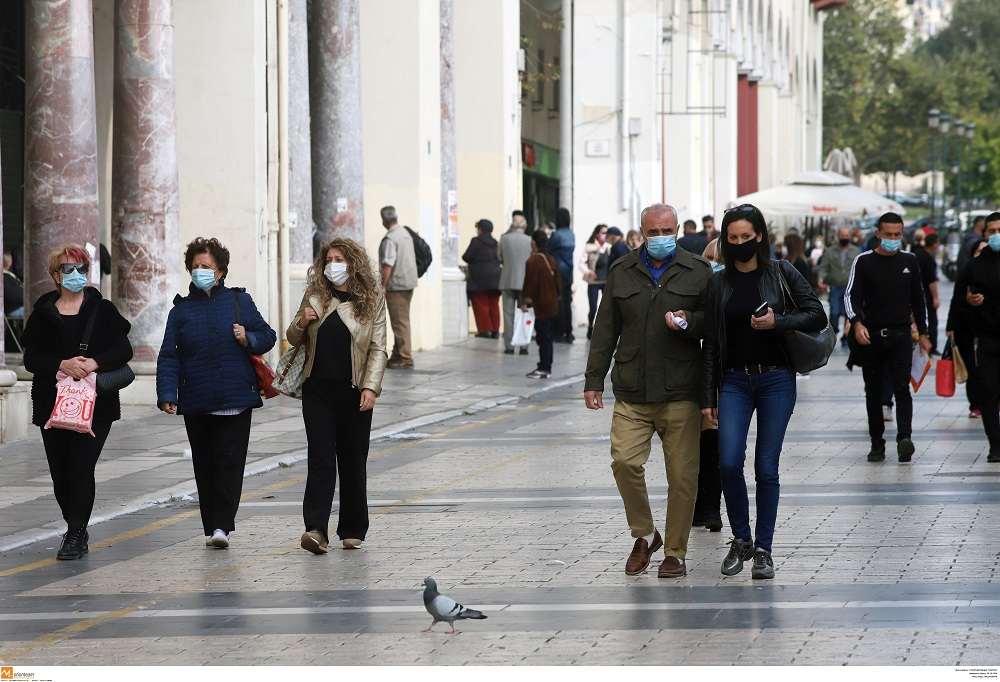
[(807, 316), (47, 343), (653, 363), (983, 274), (484, 264), (201, 366), (542, 285)]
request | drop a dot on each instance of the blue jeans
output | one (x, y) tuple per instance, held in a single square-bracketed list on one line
[(772, 395), (836, 306)]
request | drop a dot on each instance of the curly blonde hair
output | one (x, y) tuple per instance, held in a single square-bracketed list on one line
[(364, 284)]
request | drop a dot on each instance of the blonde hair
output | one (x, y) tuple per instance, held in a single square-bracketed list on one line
[(364, 284), (713, 251)]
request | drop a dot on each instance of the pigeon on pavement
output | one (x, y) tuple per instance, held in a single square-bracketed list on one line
[(444, 609)]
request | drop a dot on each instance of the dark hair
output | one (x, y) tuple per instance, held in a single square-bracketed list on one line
[(213, 247), (932, 239), (706, 218), (597, 231), (992, 218), (690, 226), (979, 220), (889, 218), (541, 241), (562, 218), (515, 214), (752, 215), (796, 247)]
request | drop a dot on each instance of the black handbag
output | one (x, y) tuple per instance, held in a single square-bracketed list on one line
[(112, 379), (806, 351)]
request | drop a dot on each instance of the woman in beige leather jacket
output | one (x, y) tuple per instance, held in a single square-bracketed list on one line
[(342, 316)]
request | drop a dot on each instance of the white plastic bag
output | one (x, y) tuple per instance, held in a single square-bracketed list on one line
[(524, 327)]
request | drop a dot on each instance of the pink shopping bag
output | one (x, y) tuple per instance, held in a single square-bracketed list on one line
[(75, 399)]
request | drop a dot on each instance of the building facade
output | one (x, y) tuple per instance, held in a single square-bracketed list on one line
[(450, 110)]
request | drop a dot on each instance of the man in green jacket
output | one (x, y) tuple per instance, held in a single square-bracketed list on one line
[(651, 321), (835, 271)]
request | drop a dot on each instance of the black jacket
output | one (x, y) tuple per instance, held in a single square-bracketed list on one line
[(46, 344), (484, 264), (808, 315), (983, 274)]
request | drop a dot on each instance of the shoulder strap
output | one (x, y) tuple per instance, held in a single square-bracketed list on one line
[(85, 341), (546, 261), (236, 299), (784, 287)]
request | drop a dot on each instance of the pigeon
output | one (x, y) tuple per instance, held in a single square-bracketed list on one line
[(444, 609)]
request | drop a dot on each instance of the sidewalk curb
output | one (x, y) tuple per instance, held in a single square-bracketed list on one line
[(188, 488)]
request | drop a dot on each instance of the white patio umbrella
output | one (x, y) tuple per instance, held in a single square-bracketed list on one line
[(817, 194)]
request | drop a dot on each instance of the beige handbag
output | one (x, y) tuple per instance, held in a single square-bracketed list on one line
[(961, 371)]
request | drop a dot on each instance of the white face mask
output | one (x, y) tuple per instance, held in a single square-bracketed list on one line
[(336, 273)]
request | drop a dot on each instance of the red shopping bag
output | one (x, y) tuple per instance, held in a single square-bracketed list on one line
[(944, 378), (75, 400)]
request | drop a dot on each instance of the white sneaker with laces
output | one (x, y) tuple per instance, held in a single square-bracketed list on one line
[(220, 539), (886, 413)]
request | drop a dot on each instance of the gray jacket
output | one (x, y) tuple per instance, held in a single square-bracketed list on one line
[(514, 251), (834, 273)]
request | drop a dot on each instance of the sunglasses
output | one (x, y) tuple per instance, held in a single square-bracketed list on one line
[(743, 208), (67, 268)]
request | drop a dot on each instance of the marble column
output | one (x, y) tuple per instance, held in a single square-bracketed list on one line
[(61, 203), (144, 193), (454, 318), (335, 104), (3, 327), (299, 152)]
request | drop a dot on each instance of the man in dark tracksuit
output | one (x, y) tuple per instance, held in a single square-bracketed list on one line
[(884, 290), (980, 282)]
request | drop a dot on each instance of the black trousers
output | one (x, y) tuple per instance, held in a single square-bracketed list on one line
[(965, 341), (987, 354), (338, 433), (72, 460), (564, 322), (932, 325), (543, 337), (890, 354), (219, 453)]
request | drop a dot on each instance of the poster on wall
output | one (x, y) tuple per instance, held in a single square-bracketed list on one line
[(453, 213)]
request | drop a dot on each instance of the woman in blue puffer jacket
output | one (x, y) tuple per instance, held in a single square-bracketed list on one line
[(204, 373)]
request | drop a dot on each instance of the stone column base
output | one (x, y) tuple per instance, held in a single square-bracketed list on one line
[(454, 306), (15, 411)]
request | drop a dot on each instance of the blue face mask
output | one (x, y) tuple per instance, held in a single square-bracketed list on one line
[(660, 248), (891, 245), (718, 267), (74, 281), (994, 241), (203, 279)]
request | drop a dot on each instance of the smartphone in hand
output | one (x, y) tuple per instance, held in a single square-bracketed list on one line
[(761, 310)]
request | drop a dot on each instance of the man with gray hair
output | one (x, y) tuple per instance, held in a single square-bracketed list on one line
[(398, 264), (651, 322), (514, 250)]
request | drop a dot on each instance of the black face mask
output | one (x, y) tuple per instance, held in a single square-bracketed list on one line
[(742, 252), (845, 242)]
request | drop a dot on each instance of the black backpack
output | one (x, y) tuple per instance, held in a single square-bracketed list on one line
[(422, 251)]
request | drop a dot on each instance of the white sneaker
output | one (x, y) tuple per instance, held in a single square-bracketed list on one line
[(219, 539), (886, 413)]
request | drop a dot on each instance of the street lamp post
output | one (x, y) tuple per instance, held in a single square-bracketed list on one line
[(933, 121), (957, 167), (970, 132)]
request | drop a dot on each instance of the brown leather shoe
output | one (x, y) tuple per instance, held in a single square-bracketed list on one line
[(672, 567), (642, 552)]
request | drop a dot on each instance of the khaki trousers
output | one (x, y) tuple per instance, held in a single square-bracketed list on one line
[(398, 305), (678, 425)]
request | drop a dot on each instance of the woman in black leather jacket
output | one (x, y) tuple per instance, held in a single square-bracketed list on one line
[(745, 369)]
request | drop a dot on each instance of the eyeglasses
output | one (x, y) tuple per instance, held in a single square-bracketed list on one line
[(745, 208), (67, 268)]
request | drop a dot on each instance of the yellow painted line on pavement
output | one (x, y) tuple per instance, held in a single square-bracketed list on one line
[(148, 528)]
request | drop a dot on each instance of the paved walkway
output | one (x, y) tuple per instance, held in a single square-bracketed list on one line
[(513, 509)]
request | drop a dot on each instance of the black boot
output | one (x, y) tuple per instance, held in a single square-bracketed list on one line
[(74, 545), (708, 506)]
